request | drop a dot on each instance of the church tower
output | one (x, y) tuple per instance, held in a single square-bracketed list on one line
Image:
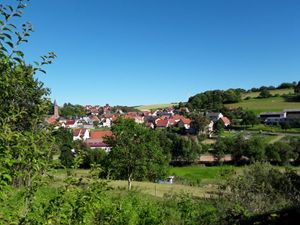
[(56, 114)]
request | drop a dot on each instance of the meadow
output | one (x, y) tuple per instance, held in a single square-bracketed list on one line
[(273, 92), (259, 105), (154, 106)]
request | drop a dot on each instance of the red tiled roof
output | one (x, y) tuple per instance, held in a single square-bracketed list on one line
[(100, 134), (225, 120), (70, 122), (164, 117), (173, 121), (95, 143), (51, 120), (186, 121), (177, 117), (95, 118), (162, 123), (132, 114), (76, 132), (79, 131)]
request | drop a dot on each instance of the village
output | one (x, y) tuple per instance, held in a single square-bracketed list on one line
[(93, 127)]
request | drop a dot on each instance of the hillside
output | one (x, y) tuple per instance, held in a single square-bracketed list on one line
[(154, 106), (273, 92), (273, 104)]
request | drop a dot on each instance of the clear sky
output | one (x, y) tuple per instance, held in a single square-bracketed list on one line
[(133, 52)]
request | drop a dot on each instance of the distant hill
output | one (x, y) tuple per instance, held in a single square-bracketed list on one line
[(273, 92), (272, 104), (154, 106)]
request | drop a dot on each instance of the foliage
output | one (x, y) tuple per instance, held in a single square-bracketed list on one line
[(125, 109), (265, 93), (199, 123), (214, 100), (297, 88), (72, 111), (136, 152), (260, 189), (249, 118), (24, 104), (181, 149), (281, 153), (286, 85)]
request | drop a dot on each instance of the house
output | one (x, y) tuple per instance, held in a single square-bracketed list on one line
[(81, 134), (106, 122), (184, 122), (292, 113), (71, 124), (95, 143), (226, 121), (96, 139), (100, 134), (214, 116), (264, 116), (159, 123)]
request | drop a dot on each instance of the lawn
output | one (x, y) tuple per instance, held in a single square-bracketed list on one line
[(273, 104), (201, 175), (154, 106)]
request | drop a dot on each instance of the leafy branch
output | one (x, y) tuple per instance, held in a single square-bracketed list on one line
[(12, 37)]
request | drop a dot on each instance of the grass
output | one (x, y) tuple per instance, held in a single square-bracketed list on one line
[(198, 180), (154, 106), (273, 129), (273, 92), (273, 104), (201, 175), (154, 189)]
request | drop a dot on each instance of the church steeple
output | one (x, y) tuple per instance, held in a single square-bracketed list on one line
[(56, 113)]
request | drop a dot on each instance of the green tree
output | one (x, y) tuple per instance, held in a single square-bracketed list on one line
[(297, 88), (69, 111), (249, 118), (199, 123), (136, 152), (24, 104), (265, 93), (219, 127), (281, 153)]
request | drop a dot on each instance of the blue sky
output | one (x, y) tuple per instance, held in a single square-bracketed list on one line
[(133, 52)]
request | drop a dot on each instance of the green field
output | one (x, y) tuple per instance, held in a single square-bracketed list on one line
[(202, 175), (273, 104), (273, 92), (154, 106)]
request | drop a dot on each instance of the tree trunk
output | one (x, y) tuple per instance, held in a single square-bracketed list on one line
[(129, 182)]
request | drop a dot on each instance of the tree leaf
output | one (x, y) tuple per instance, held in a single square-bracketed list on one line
[(7, 35), (18, 60), (10, 44), (19, 53)]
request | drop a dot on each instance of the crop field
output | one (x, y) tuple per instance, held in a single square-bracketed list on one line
[(154, 106), (273, 104)]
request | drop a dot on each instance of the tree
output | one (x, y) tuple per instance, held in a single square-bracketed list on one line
[(280, 152), (265, 93), (136, 152), (260, 189), (297, 88), (69, 111), (199, 123), (249, 118), (219, 127), (25, 144), (64, 141)]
